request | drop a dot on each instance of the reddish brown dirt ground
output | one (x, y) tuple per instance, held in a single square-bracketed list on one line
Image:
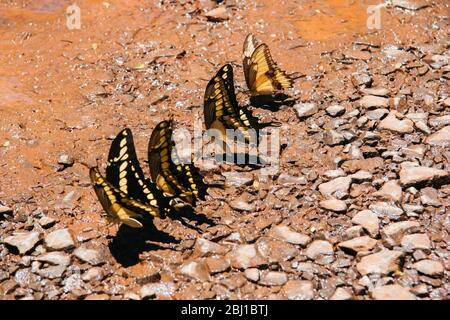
[(131, 64)]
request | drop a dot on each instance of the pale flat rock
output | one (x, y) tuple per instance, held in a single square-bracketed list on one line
[(299, 290), (273, 278), (252, 274), (441, 120), (361, 176), (341, 184), (245, 256), (391, 123), (440, 137), (205, 248), (368, 220), (319, 247), (164, 289), (335, 110), (379, 91), (90, 255), (55, 258), (333, 205), (410, 4), (355, 245), (287, 234), (196, 270), (287, 179), (218, 14), (370, 101), (430, 268), (393, 233), (24, 242), (413, 175), (391, 190), (430, 197), (304, 110), (416, 241), (217, 264), (59, 240), (341, 294), (392, 292), (384, 262), (384, 209)]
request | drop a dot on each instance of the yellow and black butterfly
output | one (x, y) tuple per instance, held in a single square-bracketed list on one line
[(173, 177), (124, 172), (262, 75), (221, 109), (118, 207)]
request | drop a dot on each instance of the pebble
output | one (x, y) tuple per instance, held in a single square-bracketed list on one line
[(287, 179), (304, 110), (217, 264), (55, 258), (411, 176), (196, 270), (370, 101), (335, 110), (275, 251), (440, 138), (392, 292), (368, 220), (439, 121), (273, 278), (410, 4), (333, 137), (361, 176), (59, 240), (252, 274), (241, 205), (24, 242), (376, 114), (92, 256), (52, 272), (319, 247), (163, 289), (384, 209), (333, 205), (381, 92), (430, 268), (299, 290), (393, 124), (93, 274), (430, 197), (205, 248), (355, 245), (384, 262), (341, 185), (353, 232), (66, 160), (341, 294), (218, 14), (5, 210), (416, 241), (393, 233), (391, 190), (238, 179), (287, 234), (331, 174), (245, 256), (46, 222)]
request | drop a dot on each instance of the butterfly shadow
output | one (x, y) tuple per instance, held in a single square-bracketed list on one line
[(241, 160), (128, 243), (186, 215), (271, 102)]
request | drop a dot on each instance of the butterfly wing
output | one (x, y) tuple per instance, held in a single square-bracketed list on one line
[(250, 44), (125, 173), (262, 74)]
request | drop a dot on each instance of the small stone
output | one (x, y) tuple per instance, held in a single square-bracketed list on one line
[(273, 278), (359, 244), (275, 251), (66, 160), (429, 197), (333, 138), (392, 292), (92, 256), (335, 110), (55, 258), (95, 297), (331, 174), (333, 205), (430, 268), (93, 274), (237, 179), (353, 232), (245, 256), (287, 179), (341, 184), (393, 124), (416, 241), (299, 290), (368, 220), (410, 4), (385, 209), (195, 270), (52, 272), (341, 294), (163, 289), (393, 233), (420, 290), (252, 274), (381, 92), (305, 109), (46, 222), (411, 176), (286, 234), (217, 265), (370, 101), (241, 205), (5, 210), (391, 190), (440, 121), (319, 247), (218, 14), (361, 176), (205, 248), (384, 262), (376, 114), (59, 240), (24, 242)]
